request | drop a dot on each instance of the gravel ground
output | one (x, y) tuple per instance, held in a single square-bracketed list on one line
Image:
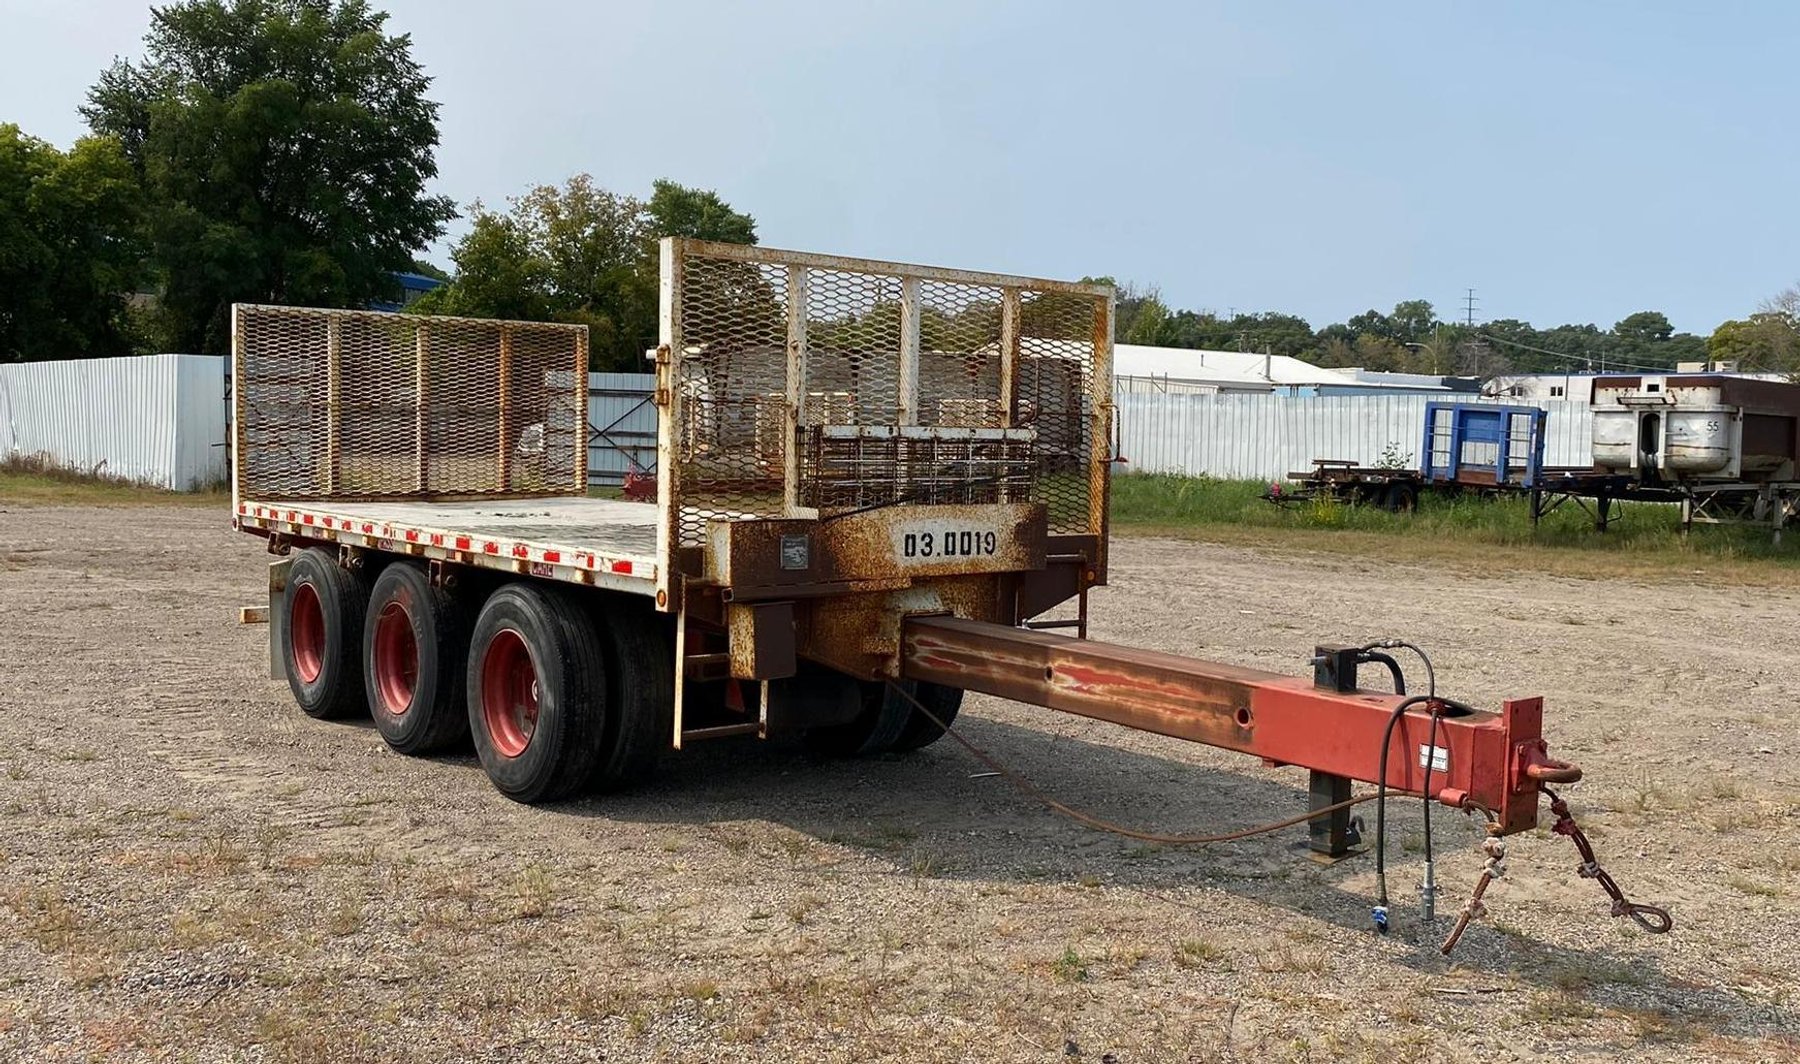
[(192, 870)]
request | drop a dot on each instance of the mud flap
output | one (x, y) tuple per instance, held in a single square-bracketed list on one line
[(278, 576)]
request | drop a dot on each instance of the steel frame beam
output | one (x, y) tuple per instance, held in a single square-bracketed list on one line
[(1493, 761)]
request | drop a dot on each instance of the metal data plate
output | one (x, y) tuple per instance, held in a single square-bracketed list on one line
[(938, 540)]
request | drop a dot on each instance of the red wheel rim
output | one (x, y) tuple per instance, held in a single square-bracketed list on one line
[(306, 633), (509, 693), (396, 659)]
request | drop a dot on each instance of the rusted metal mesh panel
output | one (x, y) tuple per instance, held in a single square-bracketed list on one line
[(784, 365), (959, 358), (854, 472), (731, 384), (353, 404), (1056, 393)]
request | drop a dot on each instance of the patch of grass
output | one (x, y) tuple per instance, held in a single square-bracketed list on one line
[(803, 908), (1754, 888), (347, 916), (1196, 952), (1069, 967), (534, 892), (38, 480), (1285, 958), (1466, 530)]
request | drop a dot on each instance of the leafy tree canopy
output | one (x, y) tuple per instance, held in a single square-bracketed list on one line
[(284, 148), (583, 254), (69, 256)]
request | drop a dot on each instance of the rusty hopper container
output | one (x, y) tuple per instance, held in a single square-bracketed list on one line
[(1697, 428)]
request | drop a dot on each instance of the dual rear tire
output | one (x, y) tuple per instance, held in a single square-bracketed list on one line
[(560, 703)]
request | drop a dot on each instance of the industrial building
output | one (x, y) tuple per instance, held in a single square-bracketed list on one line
[(1137, 368)]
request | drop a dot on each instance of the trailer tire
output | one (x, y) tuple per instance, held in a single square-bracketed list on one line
[(415, 657), (536, 692), (875, 730), (640, 693), (1400, 498), (920, 730), (323, 607)]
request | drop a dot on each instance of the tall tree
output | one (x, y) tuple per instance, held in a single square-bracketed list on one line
[(583, 254), (676, 210), (285, 146), (69, 255)]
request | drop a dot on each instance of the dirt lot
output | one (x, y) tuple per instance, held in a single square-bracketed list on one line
[(191, 870)]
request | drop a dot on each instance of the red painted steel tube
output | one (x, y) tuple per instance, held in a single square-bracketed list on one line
[(1494, 760)]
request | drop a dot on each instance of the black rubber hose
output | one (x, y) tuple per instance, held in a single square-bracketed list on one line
[(1430, 756), (1393, 667), (1387, 738)]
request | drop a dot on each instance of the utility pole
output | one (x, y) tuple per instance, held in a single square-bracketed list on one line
[(1469, 302)]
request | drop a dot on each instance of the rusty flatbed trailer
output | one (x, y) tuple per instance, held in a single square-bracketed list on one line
[(874, 482)]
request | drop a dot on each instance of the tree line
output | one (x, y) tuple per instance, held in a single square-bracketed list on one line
[(279, 151), (1412, 338)]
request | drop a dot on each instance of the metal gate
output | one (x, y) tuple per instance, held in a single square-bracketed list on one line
[(803, 385)]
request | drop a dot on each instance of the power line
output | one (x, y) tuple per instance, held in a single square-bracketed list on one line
[(1575, 358)]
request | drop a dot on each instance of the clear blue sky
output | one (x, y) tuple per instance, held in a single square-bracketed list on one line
[(1572, 162)]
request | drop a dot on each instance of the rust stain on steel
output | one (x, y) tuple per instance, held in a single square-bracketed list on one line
[(899, 543), (1282, 719), (1141, 689), (861, 633)]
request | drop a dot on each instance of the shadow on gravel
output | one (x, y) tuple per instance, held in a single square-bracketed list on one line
[(938, 814)]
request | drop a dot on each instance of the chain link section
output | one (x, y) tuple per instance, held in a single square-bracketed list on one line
[(1651, 918), (1495, 848)]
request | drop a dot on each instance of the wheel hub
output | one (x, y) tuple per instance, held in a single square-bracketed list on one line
[(509, 693)]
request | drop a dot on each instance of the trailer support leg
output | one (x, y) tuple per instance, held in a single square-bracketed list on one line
[(1329, 838)]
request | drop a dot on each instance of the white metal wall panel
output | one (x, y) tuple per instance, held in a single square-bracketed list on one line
[(202, 457), (621, 424), (1266, 437), (156, 419)]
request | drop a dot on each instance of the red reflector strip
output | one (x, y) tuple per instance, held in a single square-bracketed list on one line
[(554, 557), (462, 542), (411, 536), (437, 540), (490, 548), (519, 551), (620, 567)]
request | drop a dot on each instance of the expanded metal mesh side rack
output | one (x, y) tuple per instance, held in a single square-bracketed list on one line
[(803, 385), (348, 405)]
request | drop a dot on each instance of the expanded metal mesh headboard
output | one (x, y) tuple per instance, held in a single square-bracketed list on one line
[(344, 404), (794, 384)]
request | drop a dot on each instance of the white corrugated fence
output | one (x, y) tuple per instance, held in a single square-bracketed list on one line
[(1266, 437), (155, 419)]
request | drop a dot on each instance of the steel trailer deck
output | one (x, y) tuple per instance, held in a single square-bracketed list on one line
[(604, 542)]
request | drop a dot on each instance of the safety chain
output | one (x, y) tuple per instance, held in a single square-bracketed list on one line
[(1649, 917), (1495, 848)]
